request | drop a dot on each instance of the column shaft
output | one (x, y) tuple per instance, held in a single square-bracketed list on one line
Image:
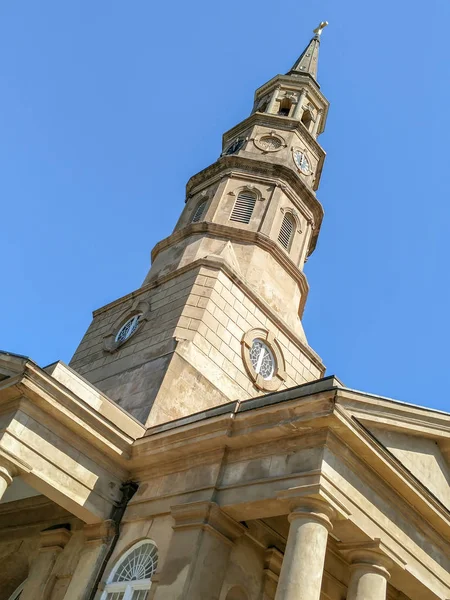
[(367, 584), (302, 569)]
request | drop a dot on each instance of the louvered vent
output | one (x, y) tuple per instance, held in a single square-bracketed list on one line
[(198, 214), (243, 207), (286, 231)]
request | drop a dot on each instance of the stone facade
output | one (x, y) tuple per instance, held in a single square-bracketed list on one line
[(193, 449)]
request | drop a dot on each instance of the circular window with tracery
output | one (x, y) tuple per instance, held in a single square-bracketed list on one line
[(269, 143), (263, 359), (128, 328)]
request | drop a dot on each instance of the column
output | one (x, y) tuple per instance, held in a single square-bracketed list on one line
[(39, 582), (198, 554), (299, 105), (317, 123), (5, 480), (273, 100), (304, 558), (97, 540), (368, 574)]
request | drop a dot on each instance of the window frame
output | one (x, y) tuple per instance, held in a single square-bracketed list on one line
[(18, 591), (288, 216), (128, 587)]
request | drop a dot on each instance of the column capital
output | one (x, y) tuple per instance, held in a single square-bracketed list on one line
[(6, 474), (207, 516), (371, 556), (99, 533), (313, 509), (54, 539)]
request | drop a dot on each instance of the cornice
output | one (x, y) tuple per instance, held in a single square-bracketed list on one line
[(219, 263), (45, 393), (276, 122), (239, 235), (276, 172)]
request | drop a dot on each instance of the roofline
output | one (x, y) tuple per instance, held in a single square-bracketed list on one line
[(325, 384)]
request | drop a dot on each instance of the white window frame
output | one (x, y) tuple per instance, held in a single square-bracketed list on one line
[(16, 594), (127, 587)]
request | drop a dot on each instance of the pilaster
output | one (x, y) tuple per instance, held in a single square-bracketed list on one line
[(198, 554)]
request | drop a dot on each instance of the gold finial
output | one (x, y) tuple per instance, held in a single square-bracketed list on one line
[(318, 30)]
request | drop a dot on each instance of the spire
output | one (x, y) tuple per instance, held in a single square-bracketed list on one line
[(307, 63)]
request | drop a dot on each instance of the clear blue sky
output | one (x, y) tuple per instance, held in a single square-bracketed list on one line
[(92, 95)]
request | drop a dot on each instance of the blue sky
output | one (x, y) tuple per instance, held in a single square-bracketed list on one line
[(92, 97)]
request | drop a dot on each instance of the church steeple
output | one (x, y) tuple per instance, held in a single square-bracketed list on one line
[(308, 61), (219, 315)]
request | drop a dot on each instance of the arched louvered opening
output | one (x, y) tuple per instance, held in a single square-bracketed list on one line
[(287, 231), (131, 577), (285, 107), (198, 212), (243, 207), (307, 119)]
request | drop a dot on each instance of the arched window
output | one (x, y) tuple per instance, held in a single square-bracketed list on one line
[(307, 119), (131, 577), (287, 231), (285, 107), (243, 207), (198, 212), (17, 593)]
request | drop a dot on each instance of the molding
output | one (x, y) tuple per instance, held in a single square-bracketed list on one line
[(99, 533), (239, 235), (219, 263), (373, 553), (54, 540), (207, 516), (279, 374), (255, 166), (138, 307)]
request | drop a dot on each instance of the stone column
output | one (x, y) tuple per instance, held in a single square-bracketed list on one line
[(368, 573), (5, 480), (317, 123), (299, 105), (198, 554), (97, 540), (304, 558), (273, 100), (52, 543)]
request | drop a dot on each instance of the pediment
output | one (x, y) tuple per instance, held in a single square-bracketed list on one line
[(422, 457)]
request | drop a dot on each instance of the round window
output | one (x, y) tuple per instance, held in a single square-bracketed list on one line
[(262, 359), (128, 329)]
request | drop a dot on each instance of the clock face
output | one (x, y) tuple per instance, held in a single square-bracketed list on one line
[(302, 162)]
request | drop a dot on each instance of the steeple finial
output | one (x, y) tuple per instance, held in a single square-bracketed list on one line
[(307, 63)]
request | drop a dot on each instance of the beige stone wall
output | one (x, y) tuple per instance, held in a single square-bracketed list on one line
[(188, 355)]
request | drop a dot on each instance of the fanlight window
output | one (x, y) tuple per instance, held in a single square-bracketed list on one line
[(198, 213), (243, 207), (286, 231), (131, 578), (128, 329)]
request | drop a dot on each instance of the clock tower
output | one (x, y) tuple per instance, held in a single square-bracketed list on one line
[(219, 315)]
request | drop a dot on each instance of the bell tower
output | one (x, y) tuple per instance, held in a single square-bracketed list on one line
[(218, 317)]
